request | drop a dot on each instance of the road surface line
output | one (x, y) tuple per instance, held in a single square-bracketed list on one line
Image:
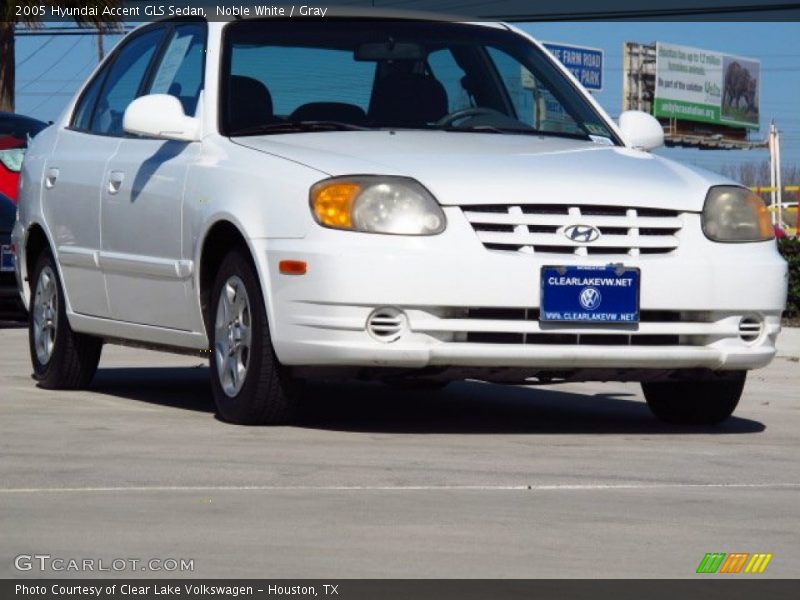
[(398, 488)]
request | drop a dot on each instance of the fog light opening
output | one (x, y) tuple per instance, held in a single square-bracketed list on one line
[(387, 324), (750, 328)]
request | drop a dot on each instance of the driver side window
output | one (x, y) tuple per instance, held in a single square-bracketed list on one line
[(446, 70), (124, 82), (180, 71), (533, 101)]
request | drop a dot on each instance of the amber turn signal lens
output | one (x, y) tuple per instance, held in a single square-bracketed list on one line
[(762, 212), (333, 203), (293, 267)]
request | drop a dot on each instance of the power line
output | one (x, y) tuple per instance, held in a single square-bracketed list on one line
[(34, 53), (52, 66), (60, 90), (79, 31)]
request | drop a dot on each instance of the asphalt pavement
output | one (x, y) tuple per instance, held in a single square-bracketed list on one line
[(478, 480)]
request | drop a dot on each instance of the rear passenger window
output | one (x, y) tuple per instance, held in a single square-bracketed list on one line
[(180, 72), (124, 82)]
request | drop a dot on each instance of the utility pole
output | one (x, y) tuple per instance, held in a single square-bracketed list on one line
[(772, 157), (778, 178), (775, 180), (100, 50)]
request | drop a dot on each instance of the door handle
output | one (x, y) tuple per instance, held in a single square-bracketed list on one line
[(51, 178), (115, 181)]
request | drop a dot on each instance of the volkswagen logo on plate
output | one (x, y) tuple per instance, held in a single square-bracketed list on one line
[(590, 298), (581, 233)]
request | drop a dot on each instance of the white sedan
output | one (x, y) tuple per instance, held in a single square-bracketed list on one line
[(405, 201)]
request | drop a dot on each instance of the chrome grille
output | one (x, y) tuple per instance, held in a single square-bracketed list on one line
[(537, 228)]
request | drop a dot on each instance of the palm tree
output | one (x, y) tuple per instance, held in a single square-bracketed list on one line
[(9, 21)]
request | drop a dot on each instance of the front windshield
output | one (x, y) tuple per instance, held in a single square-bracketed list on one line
[(284, 77)]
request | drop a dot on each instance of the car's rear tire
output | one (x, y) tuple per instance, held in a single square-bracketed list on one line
[(62, 359), (250, 385), (705, 402)]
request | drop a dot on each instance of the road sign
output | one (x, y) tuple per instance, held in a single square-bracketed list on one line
[(584, 62)]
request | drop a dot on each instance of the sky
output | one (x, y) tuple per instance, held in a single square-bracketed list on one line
[(50, 70)]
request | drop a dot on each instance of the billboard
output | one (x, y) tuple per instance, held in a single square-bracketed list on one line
[(706, 86), (584, 62)]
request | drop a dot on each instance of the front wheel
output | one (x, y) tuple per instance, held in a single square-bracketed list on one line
[(62, 359), (705, 402), (250, 385)]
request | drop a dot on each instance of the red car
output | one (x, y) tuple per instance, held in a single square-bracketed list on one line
[(15, 131)]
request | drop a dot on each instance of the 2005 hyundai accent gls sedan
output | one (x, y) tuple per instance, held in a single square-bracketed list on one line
[(407, 201)]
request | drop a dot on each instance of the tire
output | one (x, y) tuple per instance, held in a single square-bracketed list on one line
[(249, 384), (706, 402), (62, 359)]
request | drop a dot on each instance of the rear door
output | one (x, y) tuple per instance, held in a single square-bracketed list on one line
[(74, 173)]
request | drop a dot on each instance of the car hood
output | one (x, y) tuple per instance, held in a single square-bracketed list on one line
[(483, 168)]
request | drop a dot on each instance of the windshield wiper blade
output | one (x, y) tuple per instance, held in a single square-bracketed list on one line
[(476, 129), (564, 134), (515, 131), (298, 127)]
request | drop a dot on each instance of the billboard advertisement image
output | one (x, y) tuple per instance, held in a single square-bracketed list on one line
[(702, 85)]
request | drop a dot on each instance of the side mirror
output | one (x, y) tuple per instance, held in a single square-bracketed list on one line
[(160, 116), (641, 130)]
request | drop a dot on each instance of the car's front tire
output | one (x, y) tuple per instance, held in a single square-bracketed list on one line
[(62, 359), (250, 385), (705, 402)]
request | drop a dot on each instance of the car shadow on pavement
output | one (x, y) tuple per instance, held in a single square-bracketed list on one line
[(462, 408), (12, 324)]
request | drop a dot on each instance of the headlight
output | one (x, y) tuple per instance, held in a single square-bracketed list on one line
[(376, 204), (735, 214)]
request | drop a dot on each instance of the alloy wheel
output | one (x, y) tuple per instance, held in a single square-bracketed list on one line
[(232, 336), (45, 315)]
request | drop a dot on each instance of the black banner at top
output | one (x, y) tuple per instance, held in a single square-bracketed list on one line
[(136, 11)]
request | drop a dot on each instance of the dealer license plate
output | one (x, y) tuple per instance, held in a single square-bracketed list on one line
[(608, 294), (6, 258)]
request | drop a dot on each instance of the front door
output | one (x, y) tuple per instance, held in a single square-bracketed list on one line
[(147, 277)]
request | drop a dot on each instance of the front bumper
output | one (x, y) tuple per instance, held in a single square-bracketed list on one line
[(458, 304)]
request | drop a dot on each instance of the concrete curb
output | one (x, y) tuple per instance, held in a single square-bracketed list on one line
[(789, 342)]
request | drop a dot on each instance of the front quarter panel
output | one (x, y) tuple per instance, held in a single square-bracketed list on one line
[(263, 196)]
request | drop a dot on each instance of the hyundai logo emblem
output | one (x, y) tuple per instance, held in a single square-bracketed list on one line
[(581, 233)]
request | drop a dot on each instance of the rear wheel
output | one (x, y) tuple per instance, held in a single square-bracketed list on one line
[(250, 385), (62, 359), (705, 402)]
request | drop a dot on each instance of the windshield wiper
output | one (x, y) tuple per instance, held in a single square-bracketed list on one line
[(477, 128), (297, 127), (518, 131)]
